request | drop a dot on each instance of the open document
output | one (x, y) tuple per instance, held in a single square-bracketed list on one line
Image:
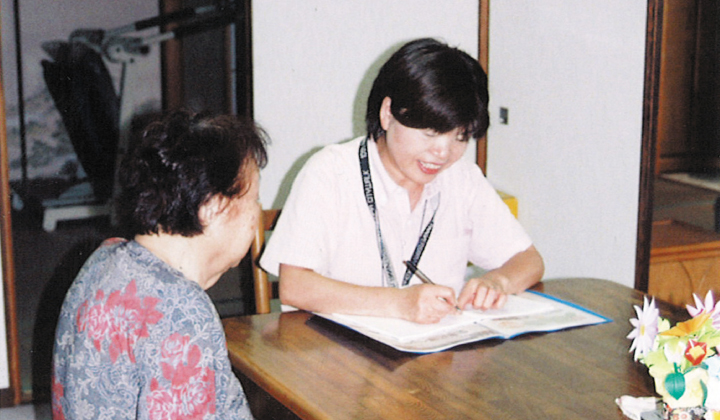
[(527, 312)]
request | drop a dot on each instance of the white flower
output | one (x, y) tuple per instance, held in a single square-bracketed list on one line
[(675, 354), (713, 384), (709, 306), (713, 366), (646, 328), (713, 394)]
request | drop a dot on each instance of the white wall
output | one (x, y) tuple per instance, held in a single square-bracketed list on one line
[(314, 62), (571, 74)]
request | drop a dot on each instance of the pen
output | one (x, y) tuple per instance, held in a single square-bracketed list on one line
[(424, 278)]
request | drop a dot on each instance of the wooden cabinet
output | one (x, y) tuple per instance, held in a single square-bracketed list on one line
[(684, 259), (689, 91)]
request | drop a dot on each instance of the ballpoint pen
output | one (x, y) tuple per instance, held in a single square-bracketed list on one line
[(424, 278)]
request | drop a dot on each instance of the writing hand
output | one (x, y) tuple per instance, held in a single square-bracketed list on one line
[(428, 304)]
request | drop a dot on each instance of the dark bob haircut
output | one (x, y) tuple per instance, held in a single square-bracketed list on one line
[(431, 85), (178, 164)]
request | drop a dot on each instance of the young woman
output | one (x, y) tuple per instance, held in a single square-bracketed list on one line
[(357, 211)]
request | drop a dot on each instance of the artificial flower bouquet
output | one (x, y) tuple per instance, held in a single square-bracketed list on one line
[(683, 360)]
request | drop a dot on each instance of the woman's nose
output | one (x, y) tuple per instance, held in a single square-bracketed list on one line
[(441, 146)]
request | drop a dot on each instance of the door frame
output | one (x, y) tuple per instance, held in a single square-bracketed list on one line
[(653, 44), (483, 54), (8, 396)]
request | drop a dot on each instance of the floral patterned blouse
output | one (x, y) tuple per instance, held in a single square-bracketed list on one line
[(137, 340)]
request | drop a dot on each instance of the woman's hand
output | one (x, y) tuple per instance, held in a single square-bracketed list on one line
[(490, 291), (486, 292), (427, 304)]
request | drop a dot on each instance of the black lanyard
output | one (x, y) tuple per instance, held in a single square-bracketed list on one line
[(388, 272)]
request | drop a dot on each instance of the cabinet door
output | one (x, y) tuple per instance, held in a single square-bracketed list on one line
[(674, 143), (684, 259), (689, 92)]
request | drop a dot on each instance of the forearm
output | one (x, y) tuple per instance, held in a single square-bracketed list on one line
[(306, 289), (520, 272)]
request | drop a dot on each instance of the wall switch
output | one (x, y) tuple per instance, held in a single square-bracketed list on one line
[(504, 115)]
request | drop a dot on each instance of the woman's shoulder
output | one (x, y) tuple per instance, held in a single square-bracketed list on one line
[(336, 157), (104, 256), (464, 173), (118, 262)]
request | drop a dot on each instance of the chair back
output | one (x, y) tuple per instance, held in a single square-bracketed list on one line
[(265, 290)]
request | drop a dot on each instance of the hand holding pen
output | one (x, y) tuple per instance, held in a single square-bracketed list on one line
[(425, 279)]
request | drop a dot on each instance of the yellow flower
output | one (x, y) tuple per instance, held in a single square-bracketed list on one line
[(691, 326), (696, 352), (712, 415)]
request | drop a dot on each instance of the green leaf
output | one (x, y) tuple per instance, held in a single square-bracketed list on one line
[(675, 385)]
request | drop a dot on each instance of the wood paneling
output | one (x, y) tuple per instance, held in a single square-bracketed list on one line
[(684, 259)]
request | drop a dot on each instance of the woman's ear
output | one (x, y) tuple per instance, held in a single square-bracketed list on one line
[(385, 113), (212, 209)]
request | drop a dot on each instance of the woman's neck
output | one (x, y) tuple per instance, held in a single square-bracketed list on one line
[(413, 189), (181, 253)]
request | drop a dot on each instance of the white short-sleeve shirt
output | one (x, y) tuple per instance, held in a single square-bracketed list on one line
[(326, 224)]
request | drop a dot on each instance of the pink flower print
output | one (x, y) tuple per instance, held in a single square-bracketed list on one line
[(58, 392), (192, 387), (197, 393), (99, 324), (122, 319), (173, 350), (161, 405)]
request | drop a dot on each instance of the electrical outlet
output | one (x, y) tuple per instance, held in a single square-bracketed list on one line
[(504, 115)]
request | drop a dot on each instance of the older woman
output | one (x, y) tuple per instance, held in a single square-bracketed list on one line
[(138, 337), (358, 210)]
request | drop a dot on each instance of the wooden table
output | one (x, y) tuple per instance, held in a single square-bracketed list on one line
[(320, 370)]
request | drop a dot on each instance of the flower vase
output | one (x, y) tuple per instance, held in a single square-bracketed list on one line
[(683, 395), (683, 413)]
